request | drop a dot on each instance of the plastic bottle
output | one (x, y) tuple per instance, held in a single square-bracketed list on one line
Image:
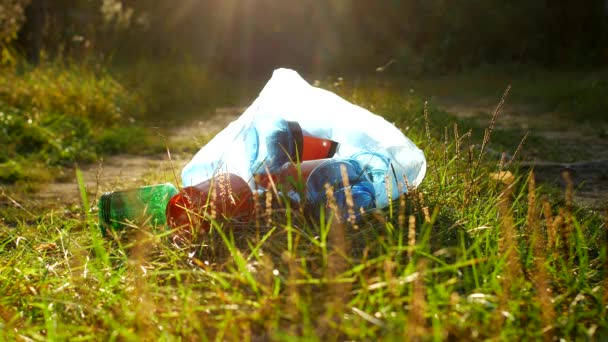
[(223, 197), (285, 142), (262, 146), (145, 205), (331, 172), (392, 170), (291, 176), (304, 183)]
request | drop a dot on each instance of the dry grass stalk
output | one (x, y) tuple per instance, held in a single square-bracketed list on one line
[(531, 218), (563, 232), (569, 190), (548, 214), (221, 183), (350, 204), (389, 276), (265, 276), (408, 187), (470, 149), (98, 178), (401, 218), (518, 149), (568, 197), (273, 185), (555, 230), (508, 245), (171, 165), (426, 121), (416, 328), (501, 162), (224, 184), (211, 205), (336, 265), (331, 203), (469, 175), (543, 293), (446, 143), (456, 141), (293, 295), (540, 278), (427, 216), (268, 212), (420, 202), (411, 235), (389, 191), (401, 210), (257, 207), (490, 129), (228, 188), (508, 249)]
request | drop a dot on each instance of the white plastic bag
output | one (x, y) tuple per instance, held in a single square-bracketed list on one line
[(288, 104)]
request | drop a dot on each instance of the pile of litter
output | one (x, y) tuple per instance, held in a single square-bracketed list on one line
[(295, 143)]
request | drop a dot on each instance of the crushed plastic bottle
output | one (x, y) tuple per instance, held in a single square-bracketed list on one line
[(305, 184), (348, 183), (391, 170)]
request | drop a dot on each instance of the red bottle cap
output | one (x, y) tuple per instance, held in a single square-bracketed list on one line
[(317, 148)]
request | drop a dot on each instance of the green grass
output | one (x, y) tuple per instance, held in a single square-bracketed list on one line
[(60, 112), (57, 114), (469, 255)]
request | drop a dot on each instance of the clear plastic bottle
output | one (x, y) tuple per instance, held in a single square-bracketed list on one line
[(392, 170), (144, 205)]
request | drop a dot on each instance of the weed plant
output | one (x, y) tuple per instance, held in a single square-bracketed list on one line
[(476, 252)]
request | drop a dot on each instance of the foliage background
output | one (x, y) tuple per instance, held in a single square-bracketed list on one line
[(247, 37)]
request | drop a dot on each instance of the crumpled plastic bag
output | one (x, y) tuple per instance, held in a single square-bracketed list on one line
[(264, 137)]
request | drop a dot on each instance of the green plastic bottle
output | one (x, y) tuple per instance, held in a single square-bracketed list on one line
[(145, 205)]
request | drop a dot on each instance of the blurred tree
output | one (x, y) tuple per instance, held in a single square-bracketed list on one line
[(11, 18), (60, 27), (255, 36)]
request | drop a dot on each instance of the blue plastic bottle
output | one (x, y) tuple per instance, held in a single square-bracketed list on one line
[(330, 172)]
